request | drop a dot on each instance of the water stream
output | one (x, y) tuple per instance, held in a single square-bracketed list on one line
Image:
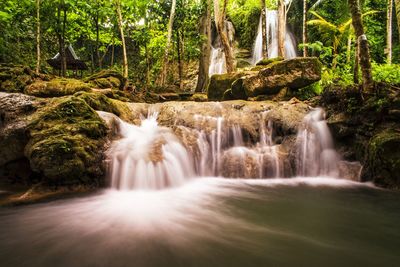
[(161, 210)]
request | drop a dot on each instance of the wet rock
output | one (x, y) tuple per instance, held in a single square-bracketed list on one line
[(66, 141), (383, 158), (15, 110), (350, 170)]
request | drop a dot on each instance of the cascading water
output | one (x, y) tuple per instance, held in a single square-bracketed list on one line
[(153, 157), (316, 154), (272, 39), (148, 157), (217, 57)]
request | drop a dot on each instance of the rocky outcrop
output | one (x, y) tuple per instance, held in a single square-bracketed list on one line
[(293, 73), (15, 110), (14, 78), (65, 142), (106, 79), (366, 131), (56, 87), (383, 158), (267, 79)]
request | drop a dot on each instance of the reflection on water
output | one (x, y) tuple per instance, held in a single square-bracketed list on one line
[(210, 222)]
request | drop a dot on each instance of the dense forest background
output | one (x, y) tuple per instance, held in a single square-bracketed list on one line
[(91, 27)]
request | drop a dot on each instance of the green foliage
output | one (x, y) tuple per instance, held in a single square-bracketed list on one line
[(386, 73), (245, 16)]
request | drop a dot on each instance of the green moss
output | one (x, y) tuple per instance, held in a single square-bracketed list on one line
[(56, 87), (14, 78), (199, 98), (65, 139), (267, 61), (107, 79), (99, 102), (219, 83), (384, 158)]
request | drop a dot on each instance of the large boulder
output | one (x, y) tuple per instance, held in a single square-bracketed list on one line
[(56, 87), (66, 140), (15, 110), (383, 158), (14, 78), (219, 83), (107, 79), (293, 73)]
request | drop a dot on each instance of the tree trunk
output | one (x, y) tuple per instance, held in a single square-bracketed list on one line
[(163, 74), (121, 31), (365, 61), (180, 60), (221, 29), (398, 14), (348, 53), (281, 28), (305, 28), (356, 63), (264, 30), (204, 62), (63, 57), (389, 20), (37, 36)]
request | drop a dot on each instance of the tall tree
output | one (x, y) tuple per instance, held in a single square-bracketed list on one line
[(38, 36), (121, 31), (204, 61), (163, 75), (281, 27), (264, 29), (305, 28), (398, 14), (221, 29), (365, 60), (389, 30)]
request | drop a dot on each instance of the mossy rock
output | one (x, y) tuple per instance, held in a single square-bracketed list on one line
[(65, 143), (14, 78), (56, 87), (107, 79), (267, 61), (199, 97), (241, 63), (101, 102), (219, 83), (383, 163)]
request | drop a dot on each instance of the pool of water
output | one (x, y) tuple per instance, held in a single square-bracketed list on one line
[(210, 222)]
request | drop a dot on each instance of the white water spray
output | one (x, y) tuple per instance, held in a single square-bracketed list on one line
[(148, 157)]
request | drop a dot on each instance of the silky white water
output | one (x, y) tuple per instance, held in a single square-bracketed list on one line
[(217, 57), (150, 156), (272, 39)]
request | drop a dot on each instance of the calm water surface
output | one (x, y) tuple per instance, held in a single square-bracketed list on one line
[(210, 222)]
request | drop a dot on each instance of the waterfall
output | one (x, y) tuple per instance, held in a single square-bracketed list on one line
[(217, 57), (316, 154), (150, 156), (272, 38)]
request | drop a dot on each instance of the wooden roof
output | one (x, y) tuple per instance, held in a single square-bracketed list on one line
[(73, 61)]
